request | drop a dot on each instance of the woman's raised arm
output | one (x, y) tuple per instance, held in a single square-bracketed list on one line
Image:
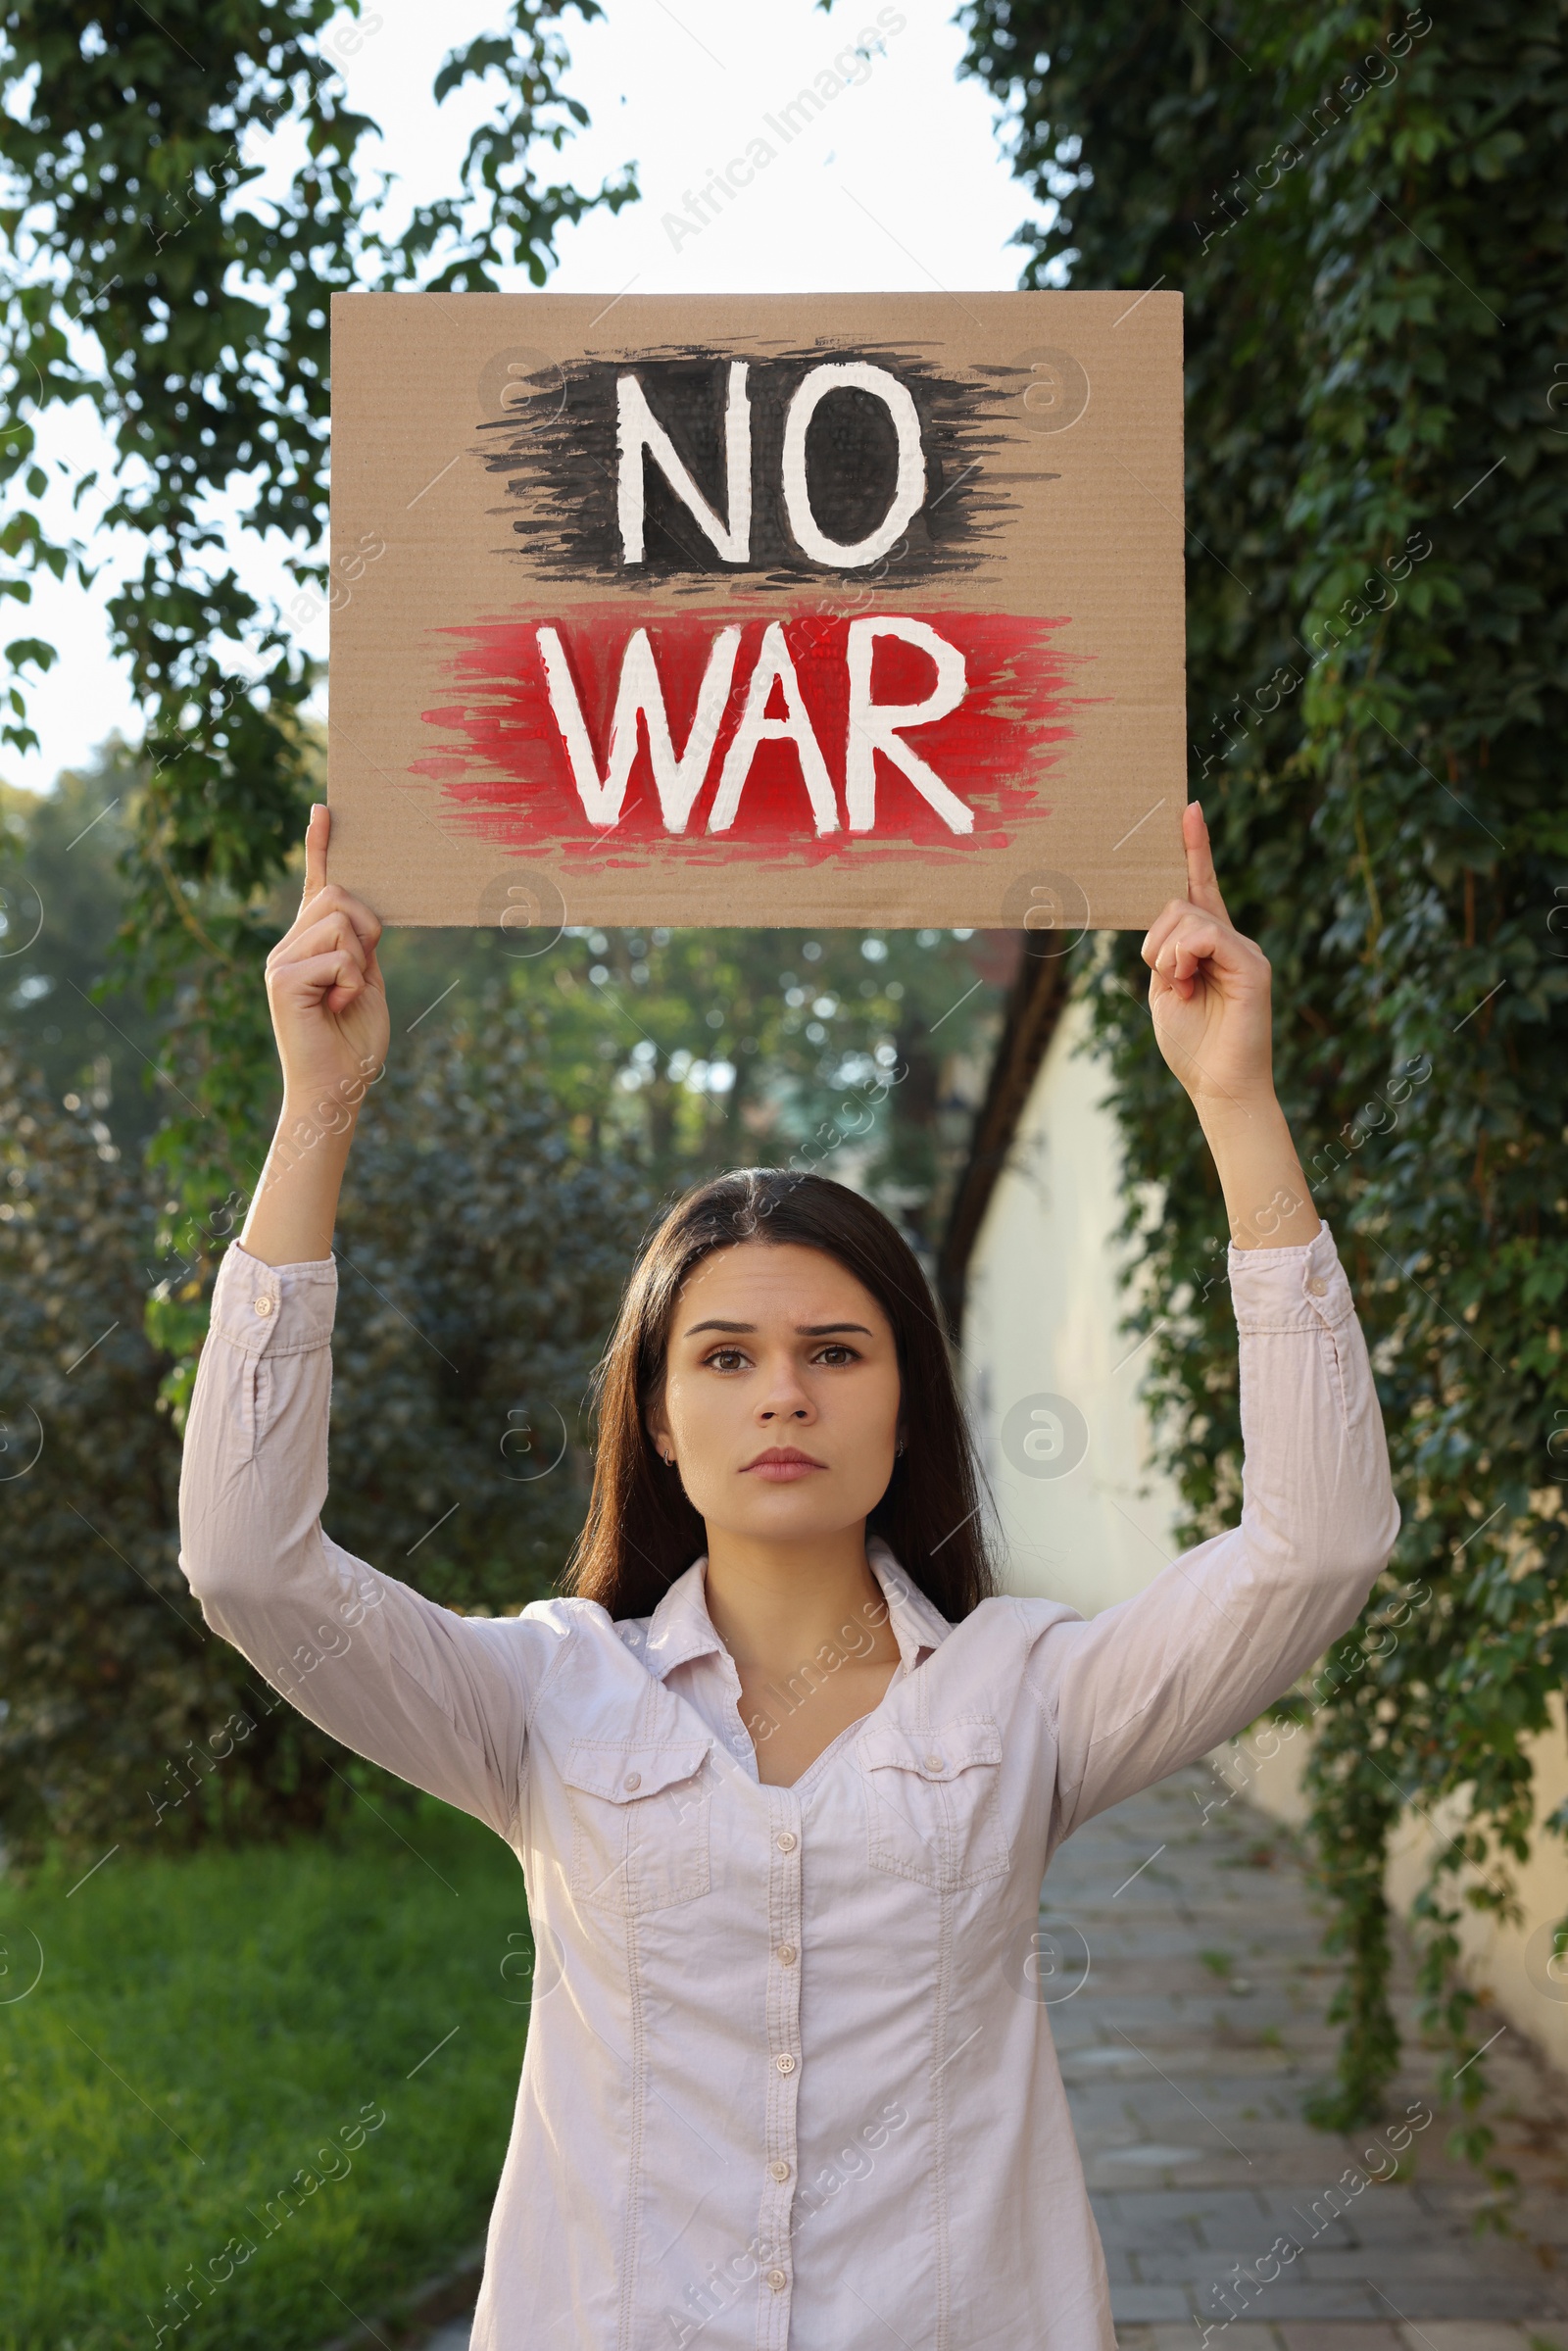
[(445, 1701), (1210, 999), (329, 1017), (1161, 1678)]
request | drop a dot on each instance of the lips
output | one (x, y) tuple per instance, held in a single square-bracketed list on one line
[(782, 1465)]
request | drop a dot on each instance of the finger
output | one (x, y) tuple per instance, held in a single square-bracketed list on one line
[(1190, 954), (333, 899), (1179, 977), (1203, 886), (318, 937), (318, 833), (1166, 924), (309, 938), (332, 980), (1195, 935), (1214, 941), (1159, 930), (1196, 943)]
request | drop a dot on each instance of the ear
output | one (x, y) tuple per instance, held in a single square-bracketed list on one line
[(659, 1430)]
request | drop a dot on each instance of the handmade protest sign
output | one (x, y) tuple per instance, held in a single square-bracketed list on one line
[(837, 610)]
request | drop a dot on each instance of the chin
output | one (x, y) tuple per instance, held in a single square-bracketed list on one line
[(793, 1514)]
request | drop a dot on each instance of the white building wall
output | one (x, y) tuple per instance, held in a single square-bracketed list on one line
[(1043, 1316)]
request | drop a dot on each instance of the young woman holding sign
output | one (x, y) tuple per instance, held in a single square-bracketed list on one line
[(785, 1771)]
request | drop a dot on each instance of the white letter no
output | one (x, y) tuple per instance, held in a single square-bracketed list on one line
[(908, 494)]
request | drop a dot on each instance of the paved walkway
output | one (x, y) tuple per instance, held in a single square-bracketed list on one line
[(1188, 2042), (1187, 2045)]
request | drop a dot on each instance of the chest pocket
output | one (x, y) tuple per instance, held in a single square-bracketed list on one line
[(932, 1803), (639, 1822)]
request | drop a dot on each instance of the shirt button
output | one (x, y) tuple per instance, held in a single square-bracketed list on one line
[(264, 1305), (785, 2063), (933, 1763), (1316, 1286), (779, 2170), (634, 1778), (786, 1954), (786, 1842), (777, 2280)]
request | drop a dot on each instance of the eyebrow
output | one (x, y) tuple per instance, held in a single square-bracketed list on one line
[(802, 1329)]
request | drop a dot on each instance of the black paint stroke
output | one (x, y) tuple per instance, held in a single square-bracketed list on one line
[(559, 476)]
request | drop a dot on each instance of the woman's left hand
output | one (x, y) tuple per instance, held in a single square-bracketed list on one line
[(1209, 990)]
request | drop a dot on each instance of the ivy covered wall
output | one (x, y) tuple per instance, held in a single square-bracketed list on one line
[(1365, 210)]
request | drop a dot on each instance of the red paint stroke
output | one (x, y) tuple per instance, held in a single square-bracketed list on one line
[(507, 777)]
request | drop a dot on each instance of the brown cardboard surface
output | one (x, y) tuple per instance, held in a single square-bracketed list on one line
[(491, 571)]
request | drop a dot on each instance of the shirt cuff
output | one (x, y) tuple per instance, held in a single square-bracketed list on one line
[(1299, 1289), (274, 1309)]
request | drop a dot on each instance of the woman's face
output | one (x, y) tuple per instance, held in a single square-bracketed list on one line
[(781, 1397)]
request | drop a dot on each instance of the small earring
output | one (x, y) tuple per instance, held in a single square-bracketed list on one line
[(899, 1447)]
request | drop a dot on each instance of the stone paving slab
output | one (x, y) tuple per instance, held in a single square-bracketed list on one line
[(1187, 2046)]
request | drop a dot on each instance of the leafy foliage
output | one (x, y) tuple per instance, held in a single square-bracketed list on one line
[(62, 902), (1363, 208), (153, 277), (483, 1252), (856, 1053), (106, 1671)]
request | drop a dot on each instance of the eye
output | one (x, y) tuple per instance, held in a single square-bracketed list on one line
[(837, 1354), (725, 1358)]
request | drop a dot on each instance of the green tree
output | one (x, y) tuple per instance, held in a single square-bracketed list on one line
[(855, 1053), (63, 1008), (482, 1246), (106, 1668), (151, 277), (1363, 208)]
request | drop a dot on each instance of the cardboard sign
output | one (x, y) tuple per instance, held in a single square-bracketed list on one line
[(824, 610)]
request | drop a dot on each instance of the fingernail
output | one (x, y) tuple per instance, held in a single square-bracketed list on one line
[(1198, 805)]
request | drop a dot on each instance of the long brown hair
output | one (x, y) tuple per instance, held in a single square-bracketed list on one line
[(642, 1531)]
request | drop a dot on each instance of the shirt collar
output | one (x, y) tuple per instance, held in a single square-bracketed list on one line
[(680, 1626), (681, 1629), (917, 1623)]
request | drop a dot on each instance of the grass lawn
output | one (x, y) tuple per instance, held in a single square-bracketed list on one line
[(200, 2067)]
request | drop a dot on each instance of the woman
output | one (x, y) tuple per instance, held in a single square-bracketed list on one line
[(784, 1774)]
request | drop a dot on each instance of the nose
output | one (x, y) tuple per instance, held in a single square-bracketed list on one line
[(786, 1398)]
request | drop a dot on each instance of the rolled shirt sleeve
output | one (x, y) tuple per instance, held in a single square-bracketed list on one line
[(441, 1699), (1228, 1627)]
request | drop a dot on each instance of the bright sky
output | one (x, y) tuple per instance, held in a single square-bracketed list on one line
[(899, 184)]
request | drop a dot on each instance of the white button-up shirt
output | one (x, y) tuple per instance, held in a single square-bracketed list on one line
[(789, 2080)]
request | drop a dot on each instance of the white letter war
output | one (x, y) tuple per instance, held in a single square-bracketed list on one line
[(765, 704)]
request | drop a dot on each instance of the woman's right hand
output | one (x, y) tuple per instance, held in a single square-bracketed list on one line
[(325, 993)]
